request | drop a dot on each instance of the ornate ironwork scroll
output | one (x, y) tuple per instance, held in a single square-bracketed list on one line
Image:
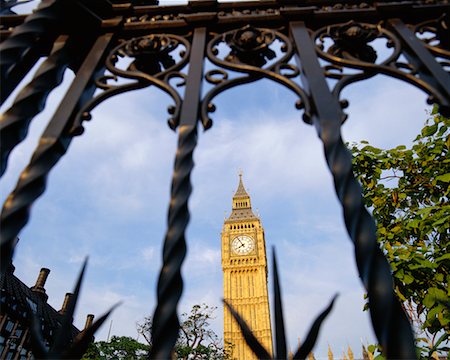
[(148, 60), (351, 49), (152, 45), (252, 53)]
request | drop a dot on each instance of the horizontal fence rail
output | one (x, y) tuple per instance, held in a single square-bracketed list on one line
[(318, 41)]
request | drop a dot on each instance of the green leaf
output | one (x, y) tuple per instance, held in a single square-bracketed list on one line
[(408, 279), (429, 301), (429, 130), (444, 178), (371, 149), (412, 219), (443, 257)]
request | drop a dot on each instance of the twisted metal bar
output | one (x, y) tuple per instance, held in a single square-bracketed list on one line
[(30, 101), (52, 146), (31, 185), (170, 284), (21, 50), (389, 321)]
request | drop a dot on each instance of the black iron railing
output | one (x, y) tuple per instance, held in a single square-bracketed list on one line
[(159, 41)]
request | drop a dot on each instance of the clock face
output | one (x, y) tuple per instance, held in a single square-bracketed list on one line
[(242, 245)]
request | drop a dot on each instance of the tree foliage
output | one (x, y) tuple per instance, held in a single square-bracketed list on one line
[(118, 348), (196, 339), (407, 191)]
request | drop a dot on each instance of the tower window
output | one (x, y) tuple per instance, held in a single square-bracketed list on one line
[(32, 305), (9, 326)]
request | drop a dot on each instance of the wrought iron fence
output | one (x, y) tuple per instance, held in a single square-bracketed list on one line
[(325, 37)]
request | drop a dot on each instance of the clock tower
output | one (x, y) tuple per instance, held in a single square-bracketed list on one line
[(244, 267)]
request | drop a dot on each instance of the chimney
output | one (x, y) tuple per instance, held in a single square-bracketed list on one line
[(89, 321), (11, 268), (40, 282), (65, 304)]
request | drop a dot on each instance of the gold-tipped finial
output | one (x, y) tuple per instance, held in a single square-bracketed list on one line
[(350, 353), (330, 353)]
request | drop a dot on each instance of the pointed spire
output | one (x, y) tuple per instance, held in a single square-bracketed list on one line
[(365, 353), (330, 353), (240, 192), (242, 207), (350, 353)]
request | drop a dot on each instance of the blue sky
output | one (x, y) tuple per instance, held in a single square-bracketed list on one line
[(108, 199)]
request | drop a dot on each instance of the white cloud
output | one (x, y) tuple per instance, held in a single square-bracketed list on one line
[(384, 111), (149, 253)]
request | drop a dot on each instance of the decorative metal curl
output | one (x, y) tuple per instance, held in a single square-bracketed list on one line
[(362, 57), (351, 40), (153, 64), (30, 101), (250, 50), (16, 50), (170, 284), (152, 53), (250, 45), (439, 41)]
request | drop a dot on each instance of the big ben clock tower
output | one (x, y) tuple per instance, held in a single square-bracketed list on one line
[(244, 267)]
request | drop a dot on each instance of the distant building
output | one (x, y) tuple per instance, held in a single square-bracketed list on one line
[(244, 267), (17, 300)]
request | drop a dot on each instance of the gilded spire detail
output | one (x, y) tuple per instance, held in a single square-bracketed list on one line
[(240, 192), (330, 353), (350, 353), (242, 207)]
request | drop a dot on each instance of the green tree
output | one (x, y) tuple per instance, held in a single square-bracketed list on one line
[(407, 190), (119, 347), (196, 339)]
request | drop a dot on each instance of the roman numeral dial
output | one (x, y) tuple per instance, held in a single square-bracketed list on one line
[(242, 245)]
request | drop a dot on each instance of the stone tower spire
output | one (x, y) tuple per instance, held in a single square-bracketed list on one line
[(244, 266), (242, 206)]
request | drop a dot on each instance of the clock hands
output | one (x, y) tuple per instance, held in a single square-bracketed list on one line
[(242, 244)]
